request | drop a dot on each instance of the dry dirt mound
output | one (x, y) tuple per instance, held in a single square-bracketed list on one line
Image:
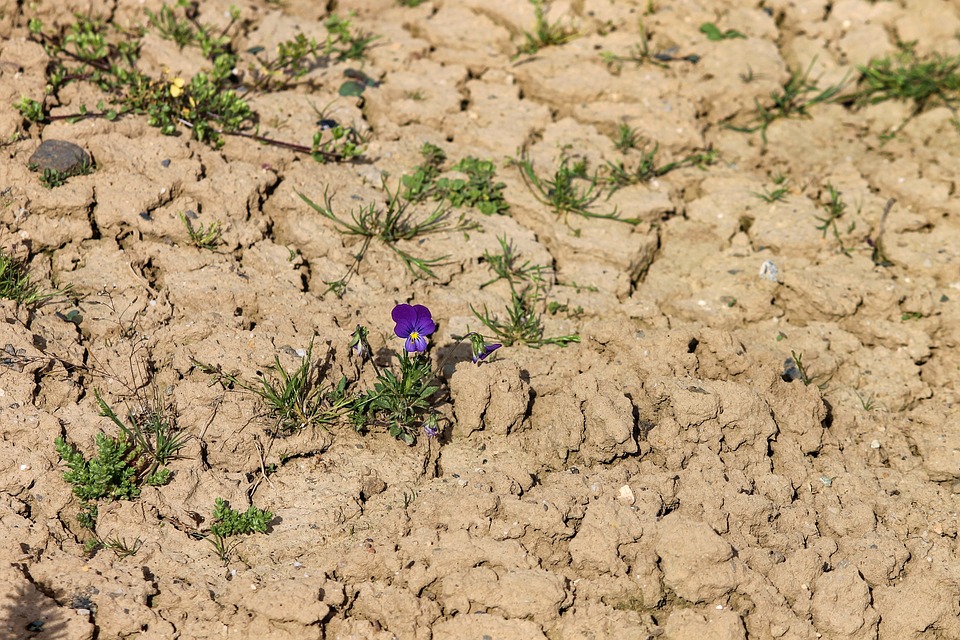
[(753, 438)]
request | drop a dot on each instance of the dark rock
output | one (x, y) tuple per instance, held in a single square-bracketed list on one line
[(61, 156)]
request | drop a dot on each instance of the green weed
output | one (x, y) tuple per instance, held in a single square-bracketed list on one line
[(834, 208), (714, 34), (478, 190), (571, 190), (389, 224), (229, 523), (51, 178), (545, 34), (627, 138), (399, 401), (523, 321), (123, 464), (202, 237), (31, 110), (641, 53), (927, 81), (780, 191), (296, 399), (16, 283), (619, 175), (794, 100), (506, 265)]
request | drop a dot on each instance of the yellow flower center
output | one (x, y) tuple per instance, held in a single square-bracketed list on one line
[(414, 335)]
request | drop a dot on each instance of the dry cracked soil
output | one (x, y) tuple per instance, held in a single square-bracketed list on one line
[(676, 473)]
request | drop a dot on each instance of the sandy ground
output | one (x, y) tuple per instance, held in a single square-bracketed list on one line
[(669, 476)]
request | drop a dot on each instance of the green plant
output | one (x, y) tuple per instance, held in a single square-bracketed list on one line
[(477, 190), (779, 194), (714, 34), (343, 41), (295, 399), (641, 53), (506, 266), (120, 547), (52, 178), (400, 401), (544, 34), (793, 101), (121, 466), (523, 323), (30, 109), (153, 433), (202, 237), (16, 283), (229, 523), (627, 138), (571, 190), (389, 224), (207, 103), (834, 208), (619, 175), (934, 79)]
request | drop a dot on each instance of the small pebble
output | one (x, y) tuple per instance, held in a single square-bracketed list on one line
[(875, 444), (165, 163), (24, 467), (146, 216)]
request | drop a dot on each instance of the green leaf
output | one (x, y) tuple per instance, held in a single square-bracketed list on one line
[(351, 89)]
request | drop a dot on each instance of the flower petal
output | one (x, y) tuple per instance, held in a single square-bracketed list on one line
[(415, 345), (405, 317), (424, 320)]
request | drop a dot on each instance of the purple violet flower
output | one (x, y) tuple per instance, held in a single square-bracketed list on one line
[(480, 348), (430, 427), (485, 350), (413, 323)]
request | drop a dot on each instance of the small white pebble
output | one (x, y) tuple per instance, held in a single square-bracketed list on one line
[(702, 303), (83, 612), (297, 565), (24, 467), (875, 444)]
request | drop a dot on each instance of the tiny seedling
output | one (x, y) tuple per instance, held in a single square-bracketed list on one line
[(794, 100), (834, 209), (545, 34), (400, 401), (571, 190), (714, 33), (389, 224), (31, 110), (778, 193), (202, 237), (52, 178), (229, 523), (641, 53), (627, 138), (17, 284)]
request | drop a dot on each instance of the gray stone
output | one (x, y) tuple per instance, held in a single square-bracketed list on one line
[(59, 155)]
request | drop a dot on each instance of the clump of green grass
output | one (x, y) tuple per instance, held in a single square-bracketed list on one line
[(927, 81), (794, 100), (389, 224), (229, 524), (545, 33), (778, 193), (570, 190), (202, 237), (522, 322), (714, 34), (18, 285), (295, 399)]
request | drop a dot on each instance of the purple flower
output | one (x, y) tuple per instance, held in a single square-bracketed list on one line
[(359, 342), (430, 427), (485, 350), (480, 348), (413, 323)]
